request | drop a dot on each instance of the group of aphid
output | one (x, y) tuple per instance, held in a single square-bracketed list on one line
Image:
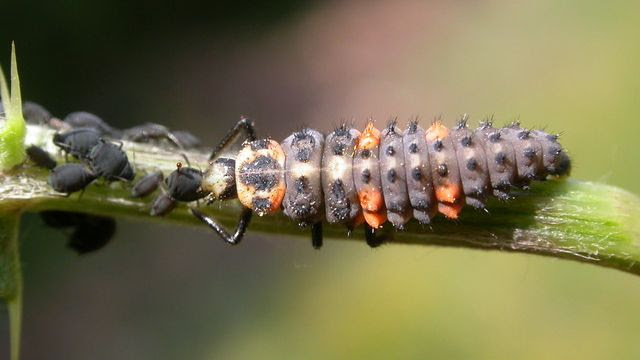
[(93, 142), (348, 177)]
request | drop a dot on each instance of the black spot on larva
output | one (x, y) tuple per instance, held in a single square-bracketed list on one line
[(304, 143), (413, 127), (472, 164), (260, 205), (504, 184), (391, 175), (524, 134), (395, 207), (501, 158), (342, 131), (442, 169), (302, 185), (529, 153), (554, 150), (259, 144), (365, 154), (494, 137), (413, 148), (260, 173), (438, 145), (339, 148), (339, 205), (390, 150), (462, 123), (365, 176), (421, 204), (303, 155), (416, 174), (466, 141), (391, 127)]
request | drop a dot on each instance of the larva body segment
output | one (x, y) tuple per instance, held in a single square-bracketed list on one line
[(393, 175), (340, 196), (472, 162), (303, 196), (444, 170), (366, 177), (554, 159), (418, 174), (528, 154), (260, 176), (501, 160)]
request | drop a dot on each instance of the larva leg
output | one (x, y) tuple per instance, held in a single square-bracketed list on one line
[(373, 239), (243, 126), (241, 227), (316, 235)]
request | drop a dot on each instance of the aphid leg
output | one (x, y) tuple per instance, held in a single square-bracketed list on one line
[(373, 239), (241, 227), (186, 159), (244, 125), (316, 235)]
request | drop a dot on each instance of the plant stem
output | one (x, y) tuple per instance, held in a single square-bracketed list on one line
[(568, 219), (11, 276)]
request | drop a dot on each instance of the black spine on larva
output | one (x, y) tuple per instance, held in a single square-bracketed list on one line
[(303, 159), (473, 164), (341, 200), (528, 154), (418, 174), (501, 160), (394, 182)]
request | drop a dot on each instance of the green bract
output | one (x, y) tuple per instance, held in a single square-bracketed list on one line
[(12, 128)]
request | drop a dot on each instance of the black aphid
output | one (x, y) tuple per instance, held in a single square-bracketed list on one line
[(109, 161), (92, 233), (162, 205), (77, 142), (69, 178), (150, 132), (35, 113), (184, 184), (89, 232), (41, 157), (147, 184), (83, 119)]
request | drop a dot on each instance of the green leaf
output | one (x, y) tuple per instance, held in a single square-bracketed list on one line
[(13, 128)]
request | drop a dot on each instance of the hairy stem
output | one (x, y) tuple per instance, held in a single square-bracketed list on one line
[(568, 219)]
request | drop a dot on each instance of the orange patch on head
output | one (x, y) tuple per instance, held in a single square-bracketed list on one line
[(450, 211), (369, 139), (448, 193), (436, 131)]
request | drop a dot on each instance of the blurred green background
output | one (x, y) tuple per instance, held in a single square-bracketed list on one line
[(161, 292)]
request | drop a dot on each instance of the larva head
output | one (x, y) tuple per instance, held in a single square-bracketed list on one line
[(219, 179)]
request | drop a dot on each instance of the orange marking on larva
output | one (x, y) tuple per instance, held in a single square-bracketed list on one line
[(371, 199), (436, 131), (373, 209), (448, 193), (450, 211), (369, 139), (375, 219)]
